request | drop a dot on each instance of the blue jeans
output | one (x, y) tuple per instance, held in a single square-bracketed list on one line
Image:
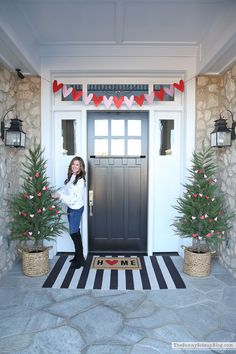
[(74, 218)]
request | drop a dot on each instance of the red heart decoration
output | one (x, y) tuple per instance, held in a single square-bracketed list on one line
[(76, 94), (159, 94), (97, 99), (56, 86), (118, 101), (139, 100), (180, 85), (111, 262)]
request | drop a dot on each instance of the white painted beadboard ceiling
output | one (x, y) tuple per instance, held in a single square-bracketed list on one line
[(30, 29)]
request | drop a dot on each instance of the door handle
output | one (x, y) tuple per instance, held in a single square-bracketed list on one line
[(90, 203)]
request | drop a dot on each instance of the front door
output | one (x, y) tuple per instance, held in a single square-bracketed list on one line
[(117, 182)]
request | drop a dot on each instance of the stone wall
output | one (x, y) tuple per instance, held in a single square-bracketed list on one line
[(25, 95), (215, 95)]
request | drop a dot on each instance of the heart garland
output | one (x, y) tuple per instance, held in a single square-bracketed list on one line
[(76, 94), (66, 91), (118, 101)]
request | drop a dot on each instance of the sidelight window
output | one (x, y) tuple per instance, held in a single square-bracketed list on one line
[(68, 136), (167, 136)]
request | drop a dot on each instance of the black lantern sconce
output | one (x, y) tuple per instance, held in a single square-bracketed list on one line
[(222, 136), (13, 136)]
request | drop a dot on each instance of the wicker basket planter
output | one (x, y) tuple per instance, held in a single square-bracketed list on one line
[(197, 264), (35, 263)]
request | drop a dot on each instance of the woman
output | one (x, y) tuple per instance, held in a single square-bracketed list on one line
[(73, 197)]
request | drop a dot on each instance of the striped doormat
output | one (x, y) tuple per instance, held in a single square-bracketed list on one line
[(158, 272)]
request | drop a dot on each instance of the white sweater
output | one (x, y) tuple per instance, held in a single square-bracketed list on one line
[(73, 194)]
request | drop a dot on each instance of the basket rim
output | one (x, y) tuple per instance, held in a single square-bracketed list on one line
[(32, 250)]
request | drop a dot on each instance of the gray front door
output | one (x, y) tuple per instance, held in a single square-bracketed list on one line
[(117, 182)]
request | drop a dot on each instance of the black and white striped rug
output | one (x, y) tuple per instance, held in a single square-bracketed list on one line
[(158, 272)]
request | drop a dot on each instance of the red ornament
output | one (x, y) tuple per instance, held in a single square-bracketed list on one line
[(202, 217), (37, 174), (118, 101), (56, 86), (39, 211), (39, 194), (194, 235), (76, 94), (45, 188), (179, 86), (24, 213), (139, 100), (208, 235), (195, 195), (159, 94), (57, 211), (97, 99)]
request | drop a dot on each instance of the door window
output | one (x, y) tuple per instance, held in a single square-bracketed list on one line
[(117, 137), (101, 147), (134, 127), (117, 127), (101, 127)]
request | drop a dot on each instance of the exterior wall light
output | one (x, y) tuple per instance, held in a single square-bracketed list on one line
[(13, 136), (222, 136)]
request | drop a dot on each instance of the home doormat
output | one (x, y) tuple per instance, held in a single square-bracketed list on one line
[(125, 263), (157, 272)]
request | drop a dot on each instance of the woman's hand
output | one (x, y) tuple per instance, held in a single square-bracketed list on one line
[(55, 195)]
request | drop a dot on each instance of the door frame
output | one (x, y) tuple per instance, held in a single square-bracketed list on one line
[(51, 104)]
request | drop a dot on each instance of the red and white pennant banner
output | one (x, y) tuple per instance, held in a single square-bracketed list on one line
[(118, 101)]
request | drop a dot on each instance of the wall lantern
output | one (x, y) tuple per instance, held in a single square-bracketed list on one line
[(222, 136), (13, 136)]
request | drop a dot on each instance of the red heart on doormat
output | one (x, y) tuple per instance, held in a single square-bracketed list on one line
[(56, 86), (111, 262)]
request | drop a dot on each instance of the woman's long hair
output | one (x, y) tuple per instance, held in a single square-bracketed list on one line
[(80, 174)]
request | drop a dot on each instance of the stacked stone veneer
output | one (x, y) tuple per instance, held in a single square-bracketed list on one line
[(25, 94), (213, 95)]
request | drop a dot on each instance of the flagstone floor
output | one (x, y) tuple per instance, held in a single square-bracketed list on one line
[(52, 321)]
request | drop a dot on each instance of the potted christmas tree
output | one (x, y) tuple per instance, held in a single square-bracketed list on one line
[(202, 214), (36, 216)]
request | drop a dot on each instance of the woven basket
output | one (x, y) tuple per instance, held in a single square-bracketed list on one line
[(35, 263), (197, 264)]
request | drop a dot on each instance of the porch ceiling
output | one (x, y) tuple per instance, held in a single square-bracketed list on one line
[(32, 29)]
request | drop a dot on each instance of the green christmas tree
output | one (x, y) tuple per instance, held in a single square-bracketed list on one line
[(36, 215), (202, 211)]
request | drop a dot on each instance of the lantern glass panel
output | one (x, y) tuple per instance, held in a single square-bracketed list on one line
[(223, 138), (15, 138), (213, 139)]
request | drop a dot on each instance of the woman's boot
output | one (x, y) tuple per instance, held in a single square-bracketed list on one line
[(79, 258)]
